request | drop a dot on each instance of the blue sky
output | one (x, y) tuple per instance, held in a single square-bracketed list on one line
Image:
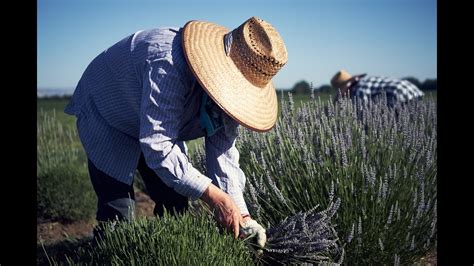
[(395, 38)]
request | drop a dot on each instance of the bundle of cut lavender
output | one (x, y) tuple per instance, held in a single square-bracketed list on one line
[(306, 237)]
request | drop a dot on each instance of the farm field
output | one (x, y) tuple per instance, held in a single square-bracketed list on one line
[(371, 169)]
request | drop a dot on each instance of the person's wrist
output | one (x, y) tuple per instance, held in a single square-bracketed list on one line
[(211, 195), (246, 217), (208, 194)]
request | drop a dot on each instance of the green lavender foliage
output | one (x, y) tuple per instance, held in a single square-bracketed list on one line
[(182, 240), (301, 237), (379, 160), (64, 191)]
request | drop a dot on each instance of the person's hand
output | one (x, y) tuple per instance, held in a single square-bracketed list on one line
[(225, 210), (250, 227)]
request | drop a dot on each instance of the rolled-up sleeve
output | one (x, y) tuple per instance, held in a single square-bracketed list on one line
[(160, 119), (222, 163)]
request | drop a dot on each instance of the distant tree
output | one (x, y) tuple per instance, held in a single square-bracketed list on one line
[(413, 80), (429, 85), (301, 87), (324, 88)]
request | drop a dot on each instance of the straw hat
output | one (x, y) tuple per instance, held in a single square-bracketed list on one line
[(340, 78), (235, 68)]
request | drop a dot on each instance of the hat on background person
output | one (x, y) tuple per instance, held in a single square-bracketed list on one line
[(342, 77)]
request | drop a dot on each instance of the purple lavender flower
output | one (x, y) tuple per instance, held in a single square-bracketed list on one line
[(381, 244), (351, 234)]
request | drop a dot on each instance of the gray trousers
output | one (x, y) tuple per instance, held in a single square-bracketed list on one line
[(117, 199)]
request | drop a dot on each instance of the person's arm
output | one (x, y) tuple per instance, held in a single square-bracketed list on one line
[(222, 162), (160, 120), (359, 77), (227, 213), (161, 111)]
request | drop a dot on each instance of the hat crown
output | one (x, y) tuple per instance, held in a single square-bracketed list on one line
[(341, 77), (258, 51)]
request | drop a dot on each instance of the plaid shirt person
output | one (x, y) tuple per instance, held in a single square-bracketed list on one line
[(369, 87)]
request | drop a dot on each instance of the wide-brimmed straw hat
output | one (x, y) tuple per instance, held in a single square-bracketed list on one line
[(235, 68), (342, 77)]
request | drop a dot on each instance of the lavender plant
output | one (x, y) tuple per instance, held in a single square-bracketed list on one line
[(379, 160), (183, 240), (64, 191), (307, 237)]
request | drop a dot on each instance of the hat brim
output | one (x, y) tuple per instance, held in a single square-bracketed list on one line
[(251, 106), (351, 79), (357, 76)]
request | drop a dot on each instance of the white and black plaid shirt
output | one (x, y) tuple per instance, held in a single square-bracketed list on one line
[(369, 87)]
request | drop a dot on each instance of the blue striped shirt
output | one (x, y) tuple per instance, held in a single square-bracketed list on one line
[(139, 96)]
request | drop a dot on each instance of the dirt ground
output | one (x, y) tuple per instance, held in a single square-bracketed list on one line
[(53, 232), (430, 259)]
